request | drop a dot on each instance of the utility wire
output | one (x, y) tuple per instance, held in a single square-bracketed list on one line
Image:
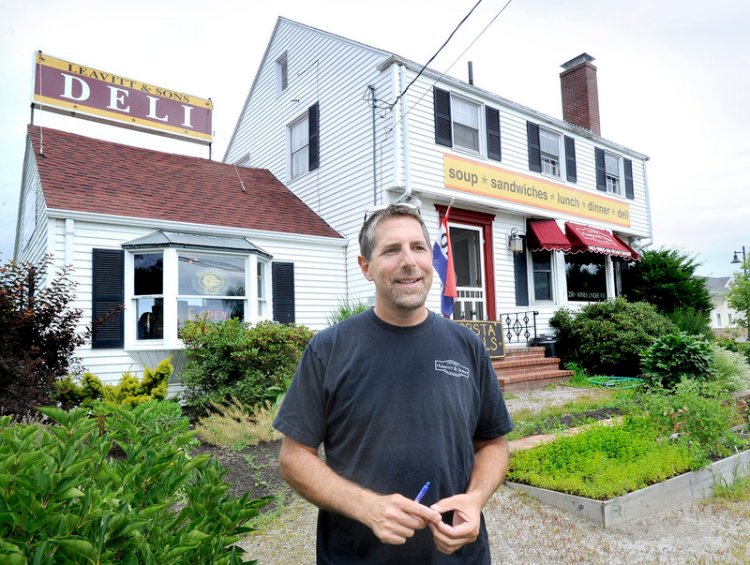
[(436, 53), (449, 67)]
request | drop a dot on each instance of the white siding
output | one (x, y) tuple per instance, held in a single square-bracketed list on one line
[(34, 249)]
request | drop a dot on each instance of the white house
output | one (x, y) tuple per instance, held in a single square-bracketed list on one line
[(347, 126), (170, 237), (723, 316)]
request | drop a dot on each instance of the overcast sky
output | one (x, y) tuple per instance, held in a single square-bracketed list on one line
[(674, 80)]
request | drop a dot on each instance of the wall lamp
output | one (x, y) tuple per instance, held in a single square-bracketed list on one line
[(515, 241)]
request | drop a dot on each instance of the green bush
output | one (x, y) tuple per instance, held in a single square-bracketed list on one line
[(701, 412), (732, 369), (65, 499), (675, 356), (693, 322), (130, 390), (608, 337), (742, 347), (231, 359)]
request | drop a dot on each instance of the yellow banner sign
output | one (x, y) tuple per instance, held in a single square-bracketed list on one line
[(477, 178)]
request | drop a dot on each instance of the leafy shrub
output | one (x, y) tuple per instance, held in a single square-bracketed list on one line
[(232, 359), (39, 333), (603, 462), (698, 411), (346, 309), (63, 499), (732, 369), (129, 390), (236, 426), (693, 322), (676, 356), (608, 337), (742, 347), (152, 416)]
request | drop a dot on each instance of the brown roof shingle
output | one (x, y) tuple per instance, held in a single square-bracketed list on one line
[(90, 175)]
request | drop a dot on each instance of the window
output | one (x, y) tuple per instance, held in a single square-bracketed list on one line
[(730, 319), (549, 144), (148, 295), (585, 274), (304, 143), (300, 148), (608, 174), (541, 262), (458, 124), (612, 172), (465, 124), (718, 320), (210, 286), (282, 73), (261, 286)]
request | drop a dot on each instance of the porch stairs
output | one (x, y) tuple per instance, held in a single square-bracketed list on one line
[(525, 368)]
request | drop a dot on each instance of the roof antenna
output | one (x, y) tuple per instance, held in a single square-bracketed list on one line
[(242, 184)]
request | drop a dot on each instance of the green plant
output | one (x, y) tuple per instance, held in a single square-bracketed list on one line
[(700, 412), (346, 309), (675, 356), (742, 347), (608, 337), (666, 278), (236, 426), (732, 369), (603, 462), (231, 359), (693, 322), (65, 499), (39, 333)]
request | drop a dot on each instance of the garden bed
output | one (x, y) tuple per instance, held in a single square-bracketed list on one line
[(661, 497)]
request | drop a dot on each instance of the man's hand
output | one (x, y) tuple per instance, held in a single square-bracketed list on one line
[(394, 518), (467, 512)]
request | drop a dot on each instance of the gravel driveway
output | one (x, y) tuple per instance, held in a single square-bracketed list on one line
[(524, 531)]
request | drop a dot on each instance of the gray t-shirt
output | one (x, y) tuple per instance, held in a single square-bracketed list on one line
[(395, 407)]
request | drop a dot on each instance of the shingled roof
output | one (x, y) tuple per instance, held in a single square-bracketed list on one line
[(83, 174)]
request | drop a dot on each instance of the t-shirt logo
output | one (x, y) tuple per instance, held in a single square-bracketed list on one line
[(452, 368)]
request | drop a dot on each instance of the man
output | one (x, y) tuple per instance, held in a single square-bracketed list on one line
[(398, 396)]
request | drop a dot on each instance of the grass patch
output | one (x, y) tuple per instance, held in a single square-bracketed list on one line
[(236, 427), (579, 412), (604, 462), (738, 491)]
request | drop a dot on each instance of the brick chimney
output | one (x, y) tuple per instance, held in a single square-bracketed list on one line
[(580, 96)]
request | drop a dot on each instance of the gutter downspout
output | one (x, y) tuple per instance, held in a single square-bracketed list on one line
[(406, 196), (374, 149)]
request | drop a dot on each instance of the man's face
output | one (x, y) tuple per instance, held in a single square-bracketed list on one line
[(400, 266)]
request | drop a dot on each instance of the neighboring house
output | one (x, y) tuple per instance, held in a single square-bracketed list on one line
[(171, 237), (327, 115), (723, 316)]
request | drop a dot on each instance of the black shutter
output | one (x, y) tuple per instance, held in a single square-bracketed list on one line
[(492, 117), (313, 126), (522, 277), (570, 159), (629, 188), (108, 292), (443, 133), (283, 292), (601, 178), (535, 151)]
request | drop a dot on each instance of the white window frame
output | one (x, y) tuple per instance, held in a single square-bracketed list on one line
[(551, 162), (552, 277), (613, 174), (301, 166), (282, 73), (455, 101)]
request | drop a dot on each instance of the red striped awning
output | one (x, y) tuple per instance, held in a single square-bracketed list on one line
[(546, 235), (586, 238)]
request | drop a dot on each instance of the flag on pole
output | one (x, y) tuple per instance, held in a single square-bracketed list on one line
[(442, 260)]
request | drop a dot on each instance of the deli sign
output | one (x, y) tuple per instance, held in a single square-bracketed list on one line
[(69, 88)]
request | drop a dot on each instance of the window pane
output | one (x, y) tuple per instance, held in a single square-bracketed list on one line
[(300, 162), (466, 137), (465, 113), (300, 135), (213, 309), (549, 143), (466, 259), (150, 316), (148, 269), (586, 277), (542, 285), (215, 275), (612, 164), (261, 280)]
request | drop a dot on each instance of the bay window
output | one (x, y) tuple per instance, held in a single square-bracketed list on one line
[(211, 287)]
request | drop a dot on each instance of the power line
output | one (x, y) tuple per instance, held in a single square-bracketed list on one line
[(436, 53)]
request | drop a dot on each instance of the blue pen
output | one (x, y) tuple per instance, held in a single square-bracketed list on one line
[(422, 492)]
